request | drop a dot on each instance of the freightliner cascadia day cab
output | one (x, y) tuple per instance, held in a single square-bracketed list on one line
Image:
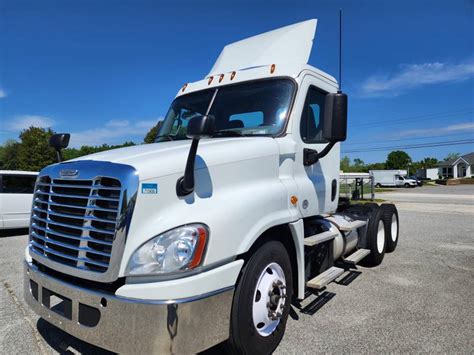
[(208, 235)]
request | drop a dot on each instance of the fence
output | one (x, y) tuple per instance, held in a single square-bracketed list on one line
[(354, 186)]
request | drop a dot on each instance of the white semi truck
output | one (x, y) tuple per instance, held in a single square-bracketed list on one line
[(209, 234)]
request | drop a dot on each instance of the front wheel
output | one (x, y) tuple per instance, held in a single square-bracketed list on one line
[(262, 301), (407, 185)]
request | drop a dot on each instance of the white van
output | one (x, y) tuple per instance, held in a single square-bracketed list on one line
[(16, 197)]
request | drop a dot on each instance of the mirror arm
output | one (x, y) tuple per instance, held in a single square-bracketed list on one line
[(185, 184), (59, 155), (311, 156)]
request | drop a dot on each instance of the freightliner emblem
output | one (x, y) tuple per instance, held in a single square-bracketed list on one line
[(69, 172)]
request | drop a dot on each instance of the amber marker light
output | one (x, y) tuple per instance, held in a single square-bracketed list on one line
[(294, 200), (211, 78), (201, 244), (232, 75), (272, 68), (221, 77), (184, 87)]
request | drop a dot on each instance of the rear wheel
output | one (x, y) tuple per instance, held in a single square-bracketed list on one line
[(376, 241), (391, 226), (378, 185), (262, 301)]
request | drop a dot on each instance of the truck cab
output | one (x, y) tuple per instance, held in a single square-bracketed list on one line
[(209, 234), (403, 181)]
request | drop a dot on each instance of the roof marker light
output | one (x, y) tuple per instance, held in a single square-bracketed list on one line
[(210, 80), (232, 75), (272, 69), (221, 77), (184, 87)]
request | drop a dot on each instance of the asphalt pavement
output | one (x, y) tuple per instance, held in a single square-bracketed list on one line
[(421, 299)]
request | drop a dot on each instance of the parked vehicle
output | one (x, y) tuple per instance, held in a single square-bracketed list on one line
[(209, 234), (16, 197), (419, 182), (392, 178), (427, 174)]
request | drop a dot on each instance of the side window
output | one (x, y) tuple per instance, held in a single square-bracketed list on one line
[(18, 184), (312, 116), (246, 119)]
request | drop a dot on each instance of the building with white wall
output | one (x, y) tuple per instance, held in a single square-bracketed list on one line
[(458, 167)]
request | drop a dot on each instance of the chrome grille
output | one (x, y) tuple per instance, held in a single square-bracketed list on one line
[(74, 222)]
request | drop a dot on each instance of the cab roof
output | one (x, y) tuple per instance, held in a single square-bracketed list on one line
[(283, 52)]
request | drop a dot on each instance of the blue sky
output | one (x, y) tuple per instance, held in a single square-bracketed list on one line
[(107, 70)]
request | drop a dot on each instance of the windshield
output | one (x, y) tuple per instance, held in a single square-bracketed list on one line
[(258, 108)]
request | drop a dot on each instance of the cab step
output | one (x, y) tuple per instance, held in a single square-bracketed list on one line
[(349, 226), (320, 238), (324, 278), (357, 256)]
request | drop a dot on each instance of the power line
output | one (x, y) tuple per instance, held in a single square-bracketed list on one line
[(414, 118), (413, 146), (408, 139)]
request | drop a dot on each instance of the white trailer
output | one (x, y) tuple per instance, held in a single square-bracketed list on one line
[(210, 233), (395, 178), (429, 173)]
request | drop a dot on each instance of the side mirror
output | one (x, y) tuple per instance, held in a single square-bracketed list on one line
[(201, 127), (198, 127), (59, 141), (335, 118)]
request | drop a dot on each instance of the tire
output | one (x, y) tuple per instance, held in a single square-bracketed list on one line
[(378, 185), (407, 185), (376, 241), (392, 226), (252, 337)]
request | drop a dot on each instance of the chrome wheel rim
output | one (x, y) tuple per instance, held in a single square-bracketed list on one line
[(380, 237), (269, 299), (394, 228)]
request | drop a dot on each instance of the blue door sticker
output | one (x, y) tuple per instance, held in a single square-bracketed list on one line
[(149, 188)]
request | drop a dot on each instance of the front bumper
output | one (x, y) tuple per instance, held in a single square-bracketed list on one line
[(128, 325)]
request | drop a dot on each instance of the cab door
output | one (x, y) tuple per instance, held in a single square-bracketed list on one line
[(318, 184)]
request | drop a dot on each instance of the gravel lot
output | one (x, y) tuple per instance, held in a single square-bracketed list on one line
[(421, 299)]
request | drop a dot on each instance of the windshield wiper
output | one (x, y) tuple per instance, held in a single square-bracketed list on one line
[(228, 134)]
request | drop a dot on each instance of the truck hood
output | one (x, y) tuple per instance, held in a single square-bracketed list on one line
[(166, 158)]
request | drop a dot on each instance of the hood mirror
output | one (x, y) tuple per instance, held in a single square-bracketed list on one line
[(198, 127), (59, 141)]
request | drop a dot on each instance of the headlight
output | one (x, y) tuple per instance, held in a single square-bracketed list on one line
[(181, 248)]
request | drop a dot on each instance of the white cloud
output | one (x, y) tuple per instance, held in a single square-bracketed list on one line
[(456, 128), (17, 123), (410, 76), (3, 93), (113, 132), (117, 123)]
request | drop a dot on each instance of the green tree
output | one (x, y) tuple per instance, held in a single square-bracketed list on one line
[(345, 163), (452, 156), (34, 152), (398, 159), (71, 153), (9, 155), (376, 166), (153, 133), (427, 163)]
